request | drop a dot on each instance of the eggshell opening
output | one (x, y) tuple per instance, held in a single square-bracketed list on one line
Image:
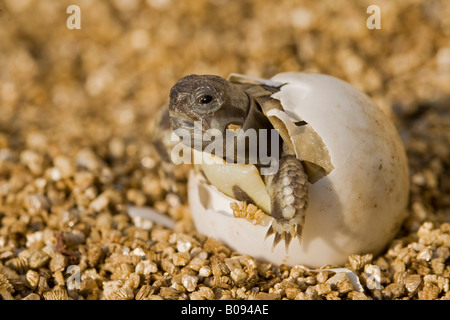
[(357, 208), (213, 217)]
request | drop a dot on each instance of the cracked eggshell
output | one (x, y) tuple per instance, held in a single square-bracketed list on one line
[(356, 208)]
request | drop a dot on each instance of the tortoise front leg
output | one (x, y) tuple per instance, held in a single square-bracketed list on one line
[(288, 191)]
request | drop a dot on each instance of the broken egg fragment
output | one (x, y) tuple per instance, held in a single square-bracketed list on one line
[(356, 204)]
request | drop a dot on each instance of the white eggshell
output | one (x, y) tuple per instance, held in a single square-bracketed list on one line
[(355, 209)]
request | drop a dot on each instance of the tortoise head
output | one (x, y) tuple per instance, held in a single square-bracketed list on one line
[(209, 100)]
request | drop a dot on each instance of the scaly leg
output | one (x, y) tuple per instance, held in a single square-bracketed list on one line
[(288, 191)]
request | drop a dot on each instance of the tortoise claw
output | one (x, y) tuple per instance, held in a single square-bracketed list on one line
[(276, 240), (299, 232), (270, 231), (287, 240), (295, 231)]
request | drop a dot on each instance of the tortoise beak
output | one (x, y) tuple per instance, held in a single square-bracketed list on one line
[(186, 128), (179, 121)]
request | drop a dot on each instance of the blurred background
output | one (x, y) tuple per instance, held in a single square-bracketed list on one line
[(76, 106), (119, 67)]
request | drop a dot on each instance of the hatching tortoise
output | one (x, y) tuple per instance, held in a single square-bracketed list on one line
[(234, 106)]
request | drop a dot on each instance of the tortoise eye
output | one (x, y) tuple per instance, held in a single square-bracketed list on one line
[(205, 99)]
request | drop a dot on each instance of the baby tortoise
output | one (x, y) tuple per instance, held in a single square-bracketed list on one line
[(220, 104)]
